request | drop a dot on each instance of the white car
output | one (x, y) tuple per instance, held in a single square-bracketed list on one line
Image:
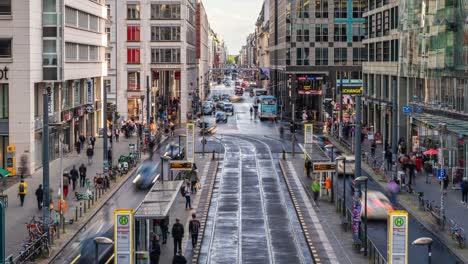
[(378, 205), (350, 163)]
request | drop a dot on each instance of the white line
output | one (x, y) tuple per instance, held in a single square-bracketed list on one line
[(315, 220), (239, 217)]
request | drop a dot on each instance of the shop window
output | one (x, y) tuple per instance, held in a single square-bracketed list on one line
[(133, 33), (133, 79), (5, 7), (133, 11), (4, 104), (133, 55), (5, 48)]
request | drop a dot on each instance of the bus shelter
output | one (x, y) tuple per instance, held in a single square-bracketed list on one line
[(154, 211), (320, 163)]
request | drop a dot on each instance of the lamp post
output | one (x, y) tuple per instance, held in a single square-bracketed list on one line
[(364, 179), (330, 146), (60, 191), (442, 130), (423, 241), (343, 159), (101, 241)]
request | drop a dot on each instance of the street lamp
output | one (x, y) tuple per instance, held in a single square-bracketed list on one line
[(364, 179), (60, 192), (180, 146), (342, 159), (330, 146), (442, 130), (422, 241), (101, 241)]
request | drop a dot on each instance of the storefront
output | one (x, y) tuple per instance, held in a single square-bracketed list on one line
[(53, 143), (309, 93)]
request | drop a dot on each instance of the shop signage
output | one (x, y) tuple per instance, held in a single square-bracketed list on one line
[(76, 93), (4, 73), (310, 78), (323, 167), (89, 108), (310, 92), (419, 110), (90, 91), (407, 109), (441, 174), (352, 90), (307, 87), (78, 112), (398, 237), (123, 234), (308, 134), (181, 165), (67, 116), (190, 141), (301, 78), (50, 98)]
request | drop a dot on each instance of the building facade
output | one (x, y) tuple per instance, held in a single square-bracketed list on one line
[(203, 50), (57, 48), (262, 37)]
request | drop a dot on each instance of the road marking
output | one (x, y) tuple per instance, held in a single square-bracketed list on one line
[(323, 237)]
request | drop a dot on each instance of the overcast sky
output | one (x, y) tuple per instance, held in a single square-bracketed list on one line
[(233, 20)]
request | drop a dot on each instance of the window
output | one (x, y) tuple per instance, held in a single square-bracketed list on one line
[(358, 8), (302, 8), (394, 18), (165, 11), (70, 16), (321, 56), (5, 48), (81, 20), (83, 52), (66, 95), (386, 22), (5, 7), (378, 51), (4, 112), (321, 8), (191, 56), (340, 9), (133, 33), (108, 59), (372, 52), (339, 32), (108, 33), (71, 51), (107, 86), (133, 81), (302, 55), (379, 24), (165, 55), (359, 55), (94, 23), (133, 11), (321, 33), (340, 56), (394, 50), (358, 33), (191, 37), (386, 51), (165, 33), (302, 32), (288, 56), (108, 11), (133, 55), (93, 53)]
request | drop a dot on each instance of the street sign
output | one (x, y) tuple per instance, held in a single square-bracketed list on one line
[(441, 174), (323, 167), (190, 142), (352, 90), (123, 235), (407, 109), (181, 165), (419, 110), (398, 237), (308, 134)]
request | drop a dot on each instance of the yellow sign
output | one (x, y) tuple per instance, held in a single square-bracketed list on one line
[(11, 160), (181, 165), (123, 236), (323, 167), (307, 87), (352, 91), (397, 237)]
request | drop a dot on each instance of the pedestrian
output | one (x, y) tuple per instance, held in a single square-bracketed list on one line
[(74, 176), (172, 129), (251, 112), (316, 189), (194, 227), (90, 154), (308, 167), (188, 202), (92, 140), (66, 183), (117, 134), (179, 259), (393, 188), (373, 148), (82, 141), (82, 171), (464, 190), (389, 159), (193, 181), (78, 147), (164, 231), (109, 157), (427, 170), (39, 196), (177, 234), (22, 190), (328, 184), (155, 251)]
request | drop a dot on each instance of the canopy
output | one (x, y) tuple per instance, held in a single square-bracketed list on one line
[(4, 173), (431, 152)]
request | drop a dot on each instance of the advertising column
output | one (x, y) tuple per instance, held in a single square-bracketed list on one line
[(190, 148)]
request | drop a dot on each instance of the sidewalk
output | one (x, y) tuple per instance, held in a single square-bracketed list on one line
[(16, 231), (455, 210)]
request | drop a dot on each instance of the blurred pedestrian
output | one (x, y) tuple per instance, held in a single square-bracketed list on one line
[(39, 196), (328, 184), (393, 189), (82, 170), (90, 154), (82, 141), (74, 176), (308, 167), (316, 189), (194, 227), (117, 134), (92, 140), (177, 234), (66, 183), (464, 190), (155, 251), (22, 191)]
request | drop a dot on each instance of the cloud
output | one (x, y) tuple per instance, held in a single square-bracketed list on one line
[(233, 20)]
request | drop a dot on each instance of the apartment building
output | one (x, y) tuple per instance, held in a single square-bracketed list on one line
[(261, 46), (57, 48), (203, 51)]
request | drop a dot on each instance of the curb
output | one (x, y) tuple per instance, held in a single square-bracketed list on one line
[(407, 207), (305, 230)]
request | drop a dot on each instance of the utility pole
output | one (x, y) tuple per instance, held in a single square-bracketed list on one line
[(442, 131), (2, 232), (340, 93), (45, 162), (357, 138), (394, 125), (148, 100), (104, 131)]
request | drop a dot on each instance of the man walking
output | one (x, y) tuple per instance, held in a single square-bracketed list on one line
[(82, 170), (22, 190), (90, 154), (194, 227), (74, 176), (92, 140), (308, 167), (39, 196), (316, 189), (464, 191), (66, 182), (155, 251), (188, 200), (388, 158), (82, 141), (177, 234)]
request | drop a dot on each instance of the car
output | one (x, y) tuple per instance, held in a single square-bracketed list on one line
[(147, 174), (175, 152), (228, 108), (350, 161), (225, 96), (220, 105), (207, 128), (216, 97), (207, 110), (378, 205), (221, 117)]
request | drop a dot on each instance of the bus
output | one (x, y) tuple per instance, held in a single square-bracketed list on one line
[(260, 92), (268, 107)]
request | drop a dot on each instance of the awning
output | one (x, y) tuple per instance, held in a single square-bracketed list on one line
[(314, 152), (4, 173), (459, 127), (159, 200)]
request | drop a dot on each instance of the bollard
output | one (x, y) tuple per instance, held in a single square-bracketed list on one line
[(81, 210), (76, 213), (89, 204), (84, 206), (213, 157), (284, 154), (63, 224), (92, 200)]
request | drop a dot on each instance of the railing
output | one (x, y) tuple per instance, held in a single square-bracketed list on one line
[(28, 254)]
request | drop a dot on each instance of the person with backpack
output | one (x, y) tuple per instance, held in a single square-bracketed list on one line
[(90, 154), (177, 234), (188, 200), (194, 227), (92, 140), (82, 171), (74, 176), (39, 196), (22, 191)]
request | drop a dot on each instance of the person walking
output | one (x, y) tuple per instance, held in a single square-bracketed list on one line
[(427, 170), (66, 183), (251, 112), (188, 202), (78, 147), (164, 231), (177, 234), (74, 176), (82, 141), (22, 191), (90, 154), (194, 227), (92, 140), (155, 251), (388, 158), (464, 191), (82, 170), (393, 188), (373, 148), (308, 167), (316, 189), (117, 134), (179, 259), (39, 196), (328, 184)]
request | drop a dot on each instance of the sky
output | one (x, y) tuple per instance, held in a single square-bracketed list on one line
[(233, 20)]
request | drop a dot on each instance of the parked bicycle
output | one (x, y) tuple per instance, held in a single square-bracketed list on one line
[(457, 233)]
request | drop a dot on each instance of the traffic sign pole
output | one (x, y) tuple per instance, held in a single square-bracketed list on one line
[(2, 232)]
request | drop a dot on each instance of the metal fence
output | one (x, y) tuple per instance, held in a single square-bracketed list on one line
[(30, 253)]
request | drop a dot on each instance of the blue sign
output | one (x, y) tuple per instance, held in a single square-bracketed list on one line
[(310, 78), (419, 110), (407, 109), (441, 174)]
